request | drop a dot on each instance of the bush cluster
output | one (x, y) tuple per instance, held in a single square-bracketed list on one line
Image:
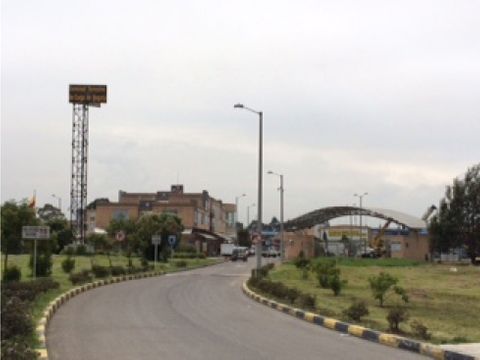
[(81, 277), (12, 273), (328, 276), (356, 311), (68, 264), (100, 271), (420, 330), (188, 255), (16, 321), (28, 291), (283, 292), (15, 349), (180, 263), (396, 315), (117, 270)]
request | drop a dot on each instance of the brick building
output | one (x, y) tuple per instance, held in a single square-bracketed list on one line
[(198, 211)]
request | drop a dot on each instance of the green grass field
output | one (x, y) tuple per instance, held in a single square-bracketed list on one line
[(445, 298), (81, 263)]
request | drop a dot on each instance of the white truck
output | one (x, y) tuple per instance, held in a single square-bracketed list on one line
[(226, 249)]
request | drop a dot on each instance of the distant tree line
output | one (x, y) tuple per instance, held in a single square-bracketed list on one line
[(457, 221)]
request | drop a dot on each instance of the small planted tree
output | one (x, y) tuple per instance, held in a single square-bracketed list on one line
[(303, 264), (357, 310), (395, 316), (384, 285), (324, 270)]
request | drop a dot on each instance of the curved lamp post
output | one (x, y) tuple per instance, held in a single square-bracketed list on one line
[(258, 248)]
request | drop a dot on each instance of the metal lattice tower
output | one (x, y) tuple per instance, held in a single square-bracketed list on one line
[(78, 188)]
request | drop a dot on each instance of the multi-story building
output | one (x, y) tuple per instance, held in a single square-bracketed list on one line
[(198, 211)]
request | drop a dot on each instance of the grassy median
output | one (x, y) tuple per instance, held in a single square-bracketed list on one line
[(445, 298)]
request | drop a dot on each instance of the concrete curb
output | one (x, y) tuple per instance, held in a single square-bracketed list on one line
[(54, 305), (399, 342)]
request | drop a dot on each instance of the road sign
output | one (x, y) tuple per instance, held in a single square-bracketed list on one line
[(36, 232), (172, 239), (120, 236), (156, 239)]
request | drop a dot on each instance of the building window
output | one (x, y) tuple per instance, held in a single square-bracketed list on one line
[(120, 214)]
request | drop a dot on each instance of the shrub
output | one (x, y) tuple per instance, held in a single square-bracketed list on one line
[(395, 316), (16, 319), (324, 270), (292, 294), (305, 301), (181, 263), (80, 277), (117, 270), (302, 264), (335, 283), (420, 330), (357, 310), (68, 250), (81, 250), (100, 271), (68, 265), (15, 349), (186, 248), (382, 284), (27, 291), (12, 273), (43, 264), (264, 270)]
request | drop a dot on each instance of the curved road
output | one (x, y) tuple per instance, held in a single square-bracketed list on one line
[(200, 314)]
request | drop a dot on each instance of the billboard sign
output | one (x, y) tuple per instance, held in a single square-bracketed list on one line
[(88, 94), (36, 232)]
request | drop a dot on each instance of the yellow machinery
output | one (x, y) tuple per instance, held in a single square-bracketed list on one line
[(377, 243)]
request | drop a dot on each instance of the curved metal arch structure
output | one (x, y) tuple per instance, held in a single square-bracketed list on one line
[(323, 215)]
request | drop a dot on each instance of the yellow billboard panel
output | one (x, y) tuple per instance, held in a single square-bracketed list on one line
[(88, 94)]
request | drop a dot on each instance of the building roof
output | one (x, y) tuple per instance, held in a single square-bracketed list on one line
[(325, 214)]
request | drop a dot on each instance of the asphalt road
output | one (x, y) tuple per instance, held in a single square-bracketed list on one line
[(201, 314)]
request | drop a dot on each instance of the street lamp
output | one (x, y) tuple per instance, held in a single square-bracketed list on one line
[(235, 218), (258, 249), (361, 229), (59, 201), (282, 249)]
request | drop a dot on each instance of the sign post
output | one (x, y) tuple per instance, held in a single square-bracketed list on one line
[(35, 233), (156, 240), (172, 240)]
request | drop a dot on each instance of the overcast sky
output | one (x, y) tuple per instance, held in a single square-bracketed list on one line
[(358, 96)]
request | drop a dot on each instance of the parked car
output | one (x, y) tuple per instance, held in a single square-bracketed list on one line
[(239, 254)]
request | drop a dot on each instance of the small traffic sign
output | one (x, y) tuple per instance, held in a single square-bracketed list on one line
[(156, 239), (120, 236), (172, 239), (36, 232)]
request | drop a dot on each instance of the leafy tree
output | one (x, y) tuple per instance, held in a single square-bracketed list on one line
[(324, 269), (49, 213), (383, 285), (457, 222), (152, 224), (52, 217), (130, 243), (99, 242), (14, 216)]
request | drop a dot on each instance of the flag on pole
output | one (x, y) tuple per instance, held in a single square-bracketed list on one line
[(33, 201)]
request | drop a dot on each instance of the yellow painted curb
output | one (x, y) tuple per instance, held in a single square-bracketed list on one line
[(310, 317), (390, 340), (329, 323), (356, 330)]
